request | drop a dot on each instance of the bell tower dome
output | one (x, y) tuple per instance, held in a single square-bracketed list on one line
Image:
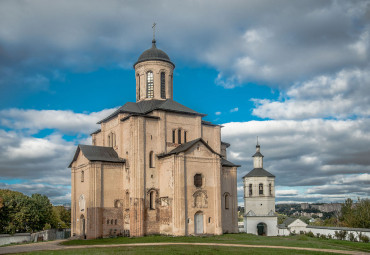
[(154, 75)]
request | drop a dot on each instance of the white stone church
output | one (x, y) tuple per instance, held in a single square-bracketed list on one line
[(154, 166)]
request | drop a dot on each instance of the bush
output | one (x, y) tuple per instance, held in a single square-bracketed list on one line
[(341, 235), (47, 226), (310, 234), (322, 236), (292, 233), (318, 235), (352, 237), (363, 238), (330, 236)]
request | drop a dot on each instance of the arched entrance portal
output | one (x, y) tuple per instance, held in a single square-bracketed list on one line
[(198, 223), (261, 229), (83, 226)]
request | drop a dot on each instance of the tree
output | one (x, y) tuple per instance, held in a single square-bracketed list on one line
[(356, 215), (21, 213), (63, 216)]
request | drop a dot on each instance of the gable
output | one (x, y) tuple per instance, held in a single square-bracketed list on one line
[(199, 150), (187, 146), (96, 153)]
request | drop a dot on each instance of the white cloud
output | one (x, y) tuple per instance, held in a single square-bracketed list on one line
[(65, 121), (234, 109), (342, 95), (286, 193), (40, 163), (253, 42), (217, 113)]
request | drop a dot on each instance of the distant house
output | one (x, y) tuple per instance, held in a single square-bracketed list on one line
[(293, 225)]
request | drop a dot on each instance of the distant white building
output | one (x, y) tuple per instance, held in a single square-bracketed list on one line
[(259, 199), (293, 226)]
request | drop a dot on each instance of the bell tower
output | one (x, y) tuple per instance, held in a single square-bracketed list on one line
[(154, 74), (259, 198)]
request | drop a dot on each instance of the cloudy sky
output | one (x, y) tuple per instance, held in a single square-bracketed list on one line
[(294, 73)]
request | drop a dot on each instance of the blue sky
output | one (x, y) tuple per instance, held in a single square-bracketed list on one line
[(296, 74)]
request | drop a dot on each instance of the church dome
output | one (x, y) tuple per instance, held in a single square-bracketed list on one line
[(153, 54)]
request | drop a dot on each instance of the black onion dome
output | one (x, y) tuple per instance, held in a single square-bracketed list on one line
[(154, 54)]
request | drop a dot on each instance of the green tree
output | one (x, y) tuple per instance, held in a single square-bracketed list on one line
[(21, 213), (356, 215)]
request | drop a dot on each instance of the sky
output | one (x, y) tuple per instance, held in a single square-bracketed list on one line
[(294, 73)]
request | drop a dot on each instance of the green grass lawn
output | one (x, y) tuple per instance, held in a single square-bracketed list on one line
[(177, 249), (293, 241)]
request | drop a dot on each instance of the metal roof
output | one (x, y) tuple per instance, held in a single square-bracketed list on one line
[(154, 54), (147, 106), (225, 143), (258, 154), (289, 221), (225, 162), (97, 153), (96, 131), (259, 172)]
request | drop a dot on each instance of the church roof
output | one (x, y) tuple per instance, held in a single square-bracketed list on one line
[(259, 172), (147, 106), (226, 144), (258, 154), (154, 54), (225, 162), (186, 146), (97, 153)]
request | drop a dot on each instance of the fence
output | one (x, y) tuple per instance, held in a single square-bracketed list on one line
[(46, 235)]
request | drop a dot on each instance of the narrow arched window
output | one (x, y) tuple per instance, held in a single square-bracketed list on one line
[(163, 85), (127, 200), (107, 221), (152, 200), (270, 189), (179, 136), (149, 85), (82, 176), (151, 159), (261, 189), (174, 136), (115, 222), (109, 141), (138, 87), (185, 136), (114, 140), (250, 189), (227, 198), (198, 180), (111, 221)]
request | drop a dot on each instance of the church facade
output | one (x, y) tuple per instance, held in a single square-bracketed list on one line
[(154, 166), (259, 199)]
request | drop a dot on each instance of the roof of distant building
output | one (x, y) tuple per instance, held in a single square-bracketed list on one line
[(289, 221)]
